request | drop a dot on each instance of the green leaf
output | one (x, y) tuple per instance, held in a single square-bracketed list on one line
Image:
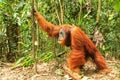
[(117, 6), (80, 22), (81, 2), (19, 61), (111, 16)]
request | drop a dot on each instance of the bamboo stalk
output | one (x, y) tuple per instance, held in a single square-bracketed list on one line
[(98, 13), (18, 41), (61, 11), (33, 37)]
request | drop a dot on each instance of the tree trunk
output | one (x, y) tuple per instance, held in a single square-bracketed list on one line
[(1, 50), (12, 34)]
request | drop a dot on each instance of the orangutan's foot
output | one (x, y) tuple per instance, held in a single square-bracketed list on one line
[(104, 71)]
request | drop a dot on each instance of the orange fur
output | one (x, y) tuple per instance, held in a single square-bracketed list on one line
[(51, 29), (81, 46)]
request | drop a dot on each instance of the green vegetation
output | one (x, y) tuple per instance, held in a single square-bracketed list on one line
[(16, 27)]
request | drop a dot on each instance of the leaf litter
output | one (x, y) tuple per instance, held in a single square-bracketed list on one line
[(51, 71)]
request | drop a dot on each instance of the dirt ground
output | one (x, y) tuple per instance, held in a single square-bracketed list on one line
[(50, 71)]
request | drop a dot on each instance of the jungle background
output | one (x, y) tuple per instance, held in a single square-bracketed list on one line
[(25, 48)]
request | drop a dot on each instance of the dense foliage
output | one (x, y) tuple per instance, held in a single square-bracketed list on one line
[(17, 14)]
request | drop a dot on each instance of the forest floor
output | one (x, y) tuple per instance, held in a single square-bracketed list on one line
[(50, 71)]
